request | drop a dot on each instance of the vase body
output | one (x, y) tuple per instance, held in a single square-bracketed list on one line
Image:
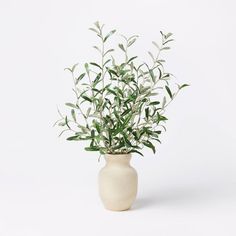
[(118, 182)]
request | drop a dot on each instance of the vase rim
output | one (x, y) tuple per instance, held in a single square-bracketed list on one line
[(123, 156), (118, 154)]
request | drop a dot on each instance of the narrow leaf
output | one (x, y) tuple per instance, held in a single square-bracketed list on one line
[(110, 50), (94, 30), (155, 44), (170, 40), (154, 103), (111, 33), (73, 114), (95, 64), (71, 105), (151, 55), (150, 145), (165, 48), (73, 138), (183, 86), (94, 148), (88, 112), (97, 48), (131, 42), (80, 78), (147, 113), (133, 150), (121, 46), (169, 92), (168, 35), (87, 98), (131, 59), (97, 24), (164, 102), (152, 76), (86, 67)]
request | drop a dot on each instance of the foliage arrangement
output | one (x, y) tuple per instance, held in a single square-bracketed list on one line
[(119, 107)]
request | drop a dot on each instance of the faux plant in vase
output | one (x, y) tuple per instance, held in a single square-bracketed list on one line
[(119, 108)]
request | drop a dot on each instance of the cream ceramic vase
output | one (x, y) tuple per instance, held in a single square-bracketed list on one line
[(118, 182)]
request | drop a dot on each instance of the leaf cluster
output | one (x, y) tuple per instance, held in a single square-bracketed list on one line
[(119, 107)]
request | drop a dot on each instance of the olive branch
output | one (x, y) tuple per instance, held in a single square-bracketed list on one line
[(120, 107)]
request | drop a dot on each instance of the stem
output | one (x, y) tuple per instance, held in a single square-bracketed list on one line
[(77, 95), (103, 85)]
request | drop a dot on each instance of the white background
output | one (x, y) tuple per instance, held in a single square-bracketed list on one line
[(49, 186)]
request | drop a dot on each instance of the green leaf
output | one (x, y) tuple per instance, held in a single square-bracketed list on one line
[(88, 112), (95, 64), (97, 24), (121, 46), (73, 114), (109, 136), (166, 76), (183, 86), (153, 94), (86, 67), (119, 91), (156, 139), (112, 91), (94, 148), (110, 50), (106, 62), (161, 118), (155, 44), (149, 145), (62, 124), (169, 92), (165, 48), (113, 72), (133, 36), (120, 145), (147, 113), (170, 40), (163, 102), (87, 98), (151, 55), (127, 142), (133, 150), (74, 138), (83, 128), (80, 78), (117, 131), (111, 33), (97, 48), (97, 126), (94, 30), (126, 112), (168, 35), (92, 133), (154, 103), (98, 77), (152, 76), (131, 42), (131, 59), (71, 105)]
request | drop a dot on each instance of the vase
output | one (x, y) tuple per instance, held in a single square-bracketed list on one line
[(118, 182)]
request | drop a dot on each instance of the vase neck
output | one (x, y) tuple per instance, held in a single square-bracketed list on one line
[(118, 159)]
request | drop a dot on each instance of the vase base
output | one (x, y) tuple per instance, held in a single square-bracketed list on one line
[(117, 209)]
